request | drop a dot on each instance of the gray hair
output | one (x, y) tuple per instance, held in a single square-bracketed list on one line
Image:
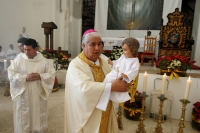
[(133, 45), (87, 37)]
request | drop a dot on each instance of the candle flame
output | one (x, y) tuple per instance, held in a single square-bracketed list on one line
[(165, 74), (189, 77), (145, 72)]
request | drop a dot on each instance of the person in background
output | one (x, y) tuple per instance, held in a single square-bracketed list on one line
[(31, 82), (87, 105), (2, 58), (59, 48), (21, 42), (126, 66), (11, 53), (149, 34)]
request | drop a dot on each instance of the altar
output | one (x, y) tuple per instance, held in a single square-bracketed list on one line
[(109, 42), (178, 89), (116, 41)]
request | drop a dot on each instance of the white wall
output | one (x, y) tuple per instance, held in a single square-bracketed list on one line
[(15, 14)]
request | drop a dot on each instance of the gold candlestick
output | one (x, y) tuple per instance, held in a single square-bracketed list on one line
[(182, 119), (141, 124), (160, 116)]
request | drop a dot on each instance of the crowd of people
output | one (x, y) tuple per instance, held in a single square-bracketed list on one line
[(93, 84)]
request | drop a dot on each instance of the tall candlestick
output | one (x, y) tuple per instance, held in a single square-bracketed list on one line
[(163, 83), (145, 82), (187, 89), (5, 64)]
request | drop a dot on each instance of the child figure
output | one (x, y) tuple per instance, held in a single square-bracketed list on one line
[(126, 66)]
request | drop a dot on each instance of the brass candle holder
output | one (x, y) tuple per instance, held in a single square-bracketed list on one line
[(158, 128), (141, 124), (182, 119)]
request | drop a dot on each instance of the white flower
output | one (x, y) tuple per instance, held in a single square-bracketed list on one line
[(175, 64)]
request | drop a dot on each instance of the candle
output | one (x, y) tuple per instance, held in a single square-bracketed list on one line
[(5, 64), (187, 89), (163, 84), (145, 82)]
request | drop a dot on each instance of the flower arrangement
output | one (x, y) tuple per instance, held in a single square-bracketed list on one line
[(59, 57), (114, 54), (137, 103), (132, 109), (174, 65), (175, 62), (196, 116)]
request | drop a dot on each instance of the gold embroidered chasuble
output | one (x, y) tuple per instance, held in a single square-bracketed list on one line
[(82, 95), (99, 77)]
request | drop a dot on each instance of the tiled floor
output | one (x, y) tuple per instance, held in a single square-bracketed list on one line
[(56, 114)]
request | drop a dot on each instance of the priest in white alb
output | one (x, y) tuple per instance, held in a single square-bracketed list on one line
[(31, 82)]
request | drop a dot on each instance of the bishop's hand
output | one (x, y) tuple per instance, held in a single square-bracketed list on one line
[(119, 85)]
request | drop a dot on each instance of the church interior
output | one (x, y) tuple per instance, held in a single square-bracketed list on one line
[(174, 30)]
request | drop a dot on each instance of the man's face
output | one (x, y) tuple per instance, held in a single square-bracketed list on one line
[(93, 48), (21, 47), (30, 51)]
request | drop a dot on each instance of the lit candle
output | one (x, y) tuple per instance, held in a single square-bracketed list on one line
[(187, 89), (5, 64), (145, 82), (11, 61), (163, 83)]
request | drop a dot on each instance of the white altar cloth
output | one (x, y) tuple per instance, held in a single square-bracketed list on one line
[(109, 42), (178, 89), (116, 41)]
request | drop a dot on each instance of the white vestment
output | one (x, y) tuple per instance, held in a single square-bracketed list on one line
[(2, 56), (30, 97), (11, 54), (82, 95), (104, 57), (128, 66)]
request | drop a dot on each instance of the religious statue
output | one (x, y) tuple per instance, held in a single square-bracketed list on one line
[(24, 34)]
